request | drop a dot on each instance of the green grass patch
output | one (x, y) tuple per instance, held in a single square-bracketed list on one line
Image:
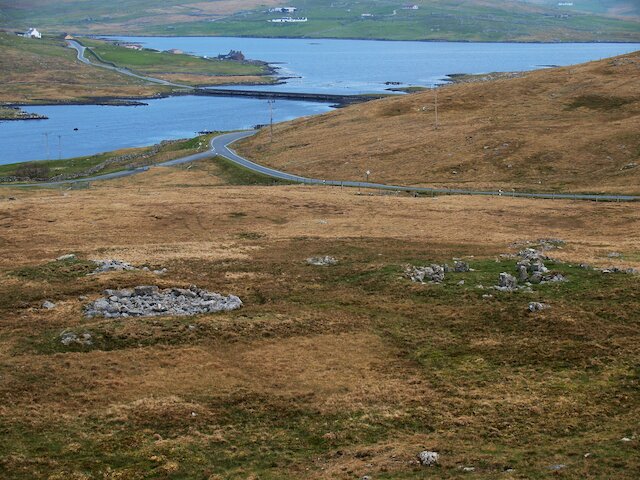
[(599, 102), (58, 270), (234, 174)]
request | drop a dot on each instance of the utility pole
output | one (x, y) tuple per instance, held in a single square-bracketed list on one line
[(46, 143), (436, 105), (271, 102)]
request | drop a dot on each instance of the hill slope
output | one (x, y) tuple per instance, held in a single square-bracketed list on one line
[(470, 20), (566, 129)]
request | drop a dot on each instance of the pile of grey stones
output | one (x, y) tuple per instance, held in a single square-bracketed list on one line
[(434, 273), (150, 301), (531, 270), (103, 266)]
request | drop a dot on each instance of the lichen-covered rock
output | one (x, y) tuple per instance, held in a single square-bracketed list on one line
[(103, 266), (70, 338), (322, 261), (537, 306), (461, 267), (48, 305), (432, 273), (428, 458), (507, 282)]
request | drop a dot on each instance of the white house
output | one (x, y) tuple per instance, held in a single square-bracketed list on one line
[(33, 33), (283, 10)]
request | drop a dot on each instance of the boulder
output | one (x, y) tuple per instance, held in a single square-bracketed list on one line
[(537, 306), (428, 458), (461, 267), (507, 282), (47, 305)]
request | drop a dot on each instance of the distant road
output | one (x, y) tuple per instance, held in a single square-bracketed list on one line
[(221, 145)]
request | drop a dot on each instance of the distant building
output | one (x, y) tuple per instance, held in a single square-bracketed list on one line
[(288, 20), (283, 10), (175, 51), (235, 55), (410, 7), (32, 33), (133, 47), (366, 15)]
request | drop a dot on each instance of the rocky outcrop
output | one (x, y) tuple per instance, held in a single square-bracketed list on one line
[(432, 273)]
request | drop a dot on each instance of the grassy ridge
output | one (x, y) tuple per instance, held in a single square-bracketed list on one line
[(471, 20)]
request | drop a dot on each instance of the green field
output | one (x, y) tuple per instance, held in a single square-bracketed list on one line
[(103, 163), (460, 20), (152, 62)]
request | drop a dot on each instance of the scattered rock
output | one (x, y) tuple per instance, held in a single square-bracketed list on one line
[(70, 338), (487, 295), (322, 261), (559, 466), (507, 283), (461, 267), (468, 469), (537, 306), (625, 439), (103, 266), (614, 255), (48, 305), (67, 258), (461, 282), (428, 458), (149, 300), (433, 273)]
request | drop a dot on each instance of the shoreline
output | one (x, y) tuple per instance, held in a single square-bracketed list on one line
[(435, 40)]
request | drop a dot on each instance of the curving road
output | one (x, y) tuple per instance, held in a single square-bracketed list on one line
[(221, 145), (81, 49)]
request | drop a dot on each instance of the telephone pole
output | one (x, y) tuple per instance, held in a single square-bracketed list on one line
[(436, 105), (271, 102), (46, 143)]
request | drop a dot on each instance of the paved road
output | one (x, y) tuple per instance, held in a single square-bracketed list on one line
[(221, 145), (81, 49)]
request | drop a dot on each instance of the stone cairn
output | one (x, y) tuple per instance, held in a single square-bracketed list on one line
[(151, 301)]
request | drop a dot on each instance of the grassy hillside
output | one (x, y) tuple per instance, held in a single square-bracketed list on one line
[(566, 129), (470, 20), (45, 71), (617, 8)]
